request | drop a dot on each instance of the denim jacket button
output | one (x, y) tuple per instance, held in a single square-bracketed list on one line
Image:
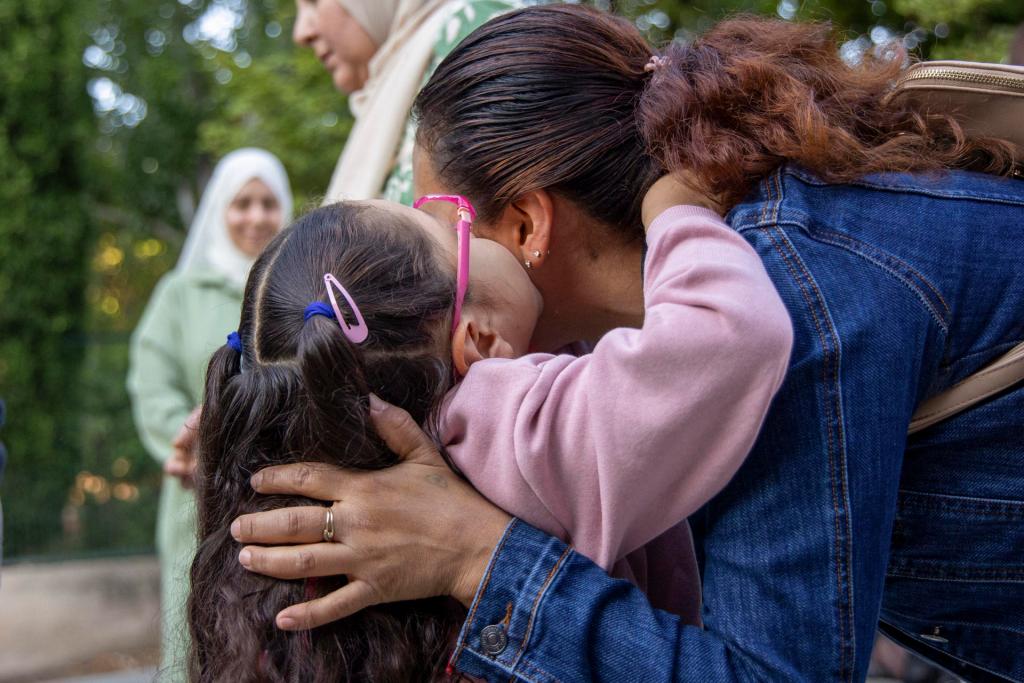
[(493, 639)]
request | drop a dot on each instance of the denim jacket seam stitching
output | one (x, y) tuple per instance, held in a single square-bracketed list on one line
[(490, 661), (832, 439), (536, 604), (840, 464), (901, 262), (480, 592), (851, 247), (536, 670)]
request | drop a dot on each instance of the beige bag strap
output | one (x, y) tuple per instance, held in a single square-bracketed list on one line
[(1002, 374)]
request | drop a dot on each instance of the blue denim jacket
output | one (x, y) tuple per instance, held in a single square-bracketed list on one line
[(898, 286)]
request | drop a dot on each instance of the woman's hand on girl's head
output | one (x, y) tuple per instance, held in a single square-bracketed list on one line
[(414, 530), (674, 189)]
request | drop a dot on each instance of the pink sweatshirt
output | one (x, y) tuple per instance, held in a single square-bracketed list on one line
[(614, 449)]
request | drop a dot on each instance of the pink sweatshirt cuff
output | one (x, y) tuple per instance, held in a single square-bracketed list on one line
[(673, 215)]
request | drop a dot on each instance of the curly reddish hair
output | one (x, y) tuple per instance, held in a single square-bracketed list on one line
[(753, 93)]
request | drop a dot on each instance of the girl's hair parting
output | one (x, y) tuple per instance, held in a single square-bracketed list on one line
[(299, 392), (558, 97)]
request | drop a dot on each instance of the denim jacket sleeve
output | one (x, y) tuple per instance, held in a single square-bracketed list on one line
[(545, 614)]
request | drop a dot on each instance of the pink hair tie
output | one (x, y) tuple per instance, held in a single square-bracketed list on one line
[(656, 63), (357, 333)]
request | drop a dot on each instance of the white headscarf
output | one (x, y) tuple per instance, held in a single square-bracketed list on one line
[(208, 246), (407, 32)]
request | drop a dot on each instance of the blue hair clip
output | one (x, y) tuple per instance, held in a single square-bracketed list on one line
[(235, 342), (318, 308)]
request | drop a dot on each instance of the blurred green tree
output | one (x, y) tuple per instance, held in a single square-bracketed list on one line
[(932, 29), (44, 232), (114, 114)]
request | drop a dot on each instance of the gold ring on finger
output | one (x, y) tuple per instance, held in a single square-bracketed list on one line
[(329, 526)]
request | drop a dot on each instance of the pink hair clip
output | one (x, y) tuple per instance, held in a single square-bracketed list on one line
[(655, 63), (357, 333)]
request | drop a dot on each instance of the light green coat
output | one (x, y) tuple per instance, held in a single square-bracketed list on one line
[(187, 318)]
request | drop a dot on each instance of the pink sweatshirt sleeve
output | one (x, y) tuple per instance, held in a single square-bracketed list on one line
[(612, 449)]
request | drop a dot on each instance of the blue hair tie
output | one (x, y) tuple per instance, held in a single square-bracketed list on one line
[(235, 342), (318, 308)]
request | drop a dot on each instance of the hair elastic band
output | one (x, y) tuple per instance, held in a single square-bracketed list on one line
[(235, 342), (655, 63), (357, 333), (318, 308)]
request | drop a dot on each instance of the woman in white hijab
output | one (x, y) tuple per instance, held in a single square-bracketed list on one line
[(246, 203), (381, 52)]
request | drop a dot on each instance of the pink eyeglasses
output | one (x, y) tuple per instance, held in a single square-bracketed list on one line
[(466, 215)]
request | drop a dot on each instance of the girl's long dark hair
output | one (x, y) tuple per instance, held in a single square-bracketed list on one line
[(557, 97), (299, 393)]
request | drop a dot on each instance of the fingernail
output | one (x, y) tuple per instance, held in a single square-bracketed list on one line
[(255, 480), (286, 623), (236, 529), (377, 405), (245, 557)]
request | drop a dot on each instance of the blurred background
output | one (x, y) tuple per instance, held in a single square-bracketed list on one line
[(114, 113)]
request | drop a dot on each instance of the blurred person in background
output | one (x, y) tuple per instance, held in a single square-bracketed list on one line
[(247, 201), (380, 52)]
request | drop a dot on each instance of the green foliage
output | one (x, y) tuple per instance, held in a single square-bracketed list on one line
[(281, 103), (98, 199), (44, 231), (947, 29)]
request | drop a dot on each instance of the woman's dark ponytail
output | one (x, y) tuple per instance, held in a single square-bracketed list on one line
[(543, 98)]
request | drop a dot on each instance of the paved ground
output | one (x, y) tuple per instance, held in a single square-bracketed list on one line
[(79, 618)]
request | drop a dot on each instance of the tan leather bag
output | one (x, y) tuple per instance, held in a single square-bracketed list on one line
[(987, 100)]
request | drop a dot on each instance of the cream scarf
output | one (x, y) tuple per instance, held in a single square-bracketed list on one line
[(395, 75), (208, 246)]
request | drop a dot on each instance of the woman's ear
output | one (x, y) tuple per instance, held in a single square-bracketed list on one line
[(476, 340), (537, 214), (524, 227)]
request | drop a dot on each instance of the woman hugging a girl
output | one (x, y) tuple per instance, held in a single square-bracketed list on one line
[(370, 299)]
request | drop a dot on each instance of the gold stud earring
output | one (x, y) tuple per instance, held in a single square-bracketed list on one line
[(536, 253), (528, 264)]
